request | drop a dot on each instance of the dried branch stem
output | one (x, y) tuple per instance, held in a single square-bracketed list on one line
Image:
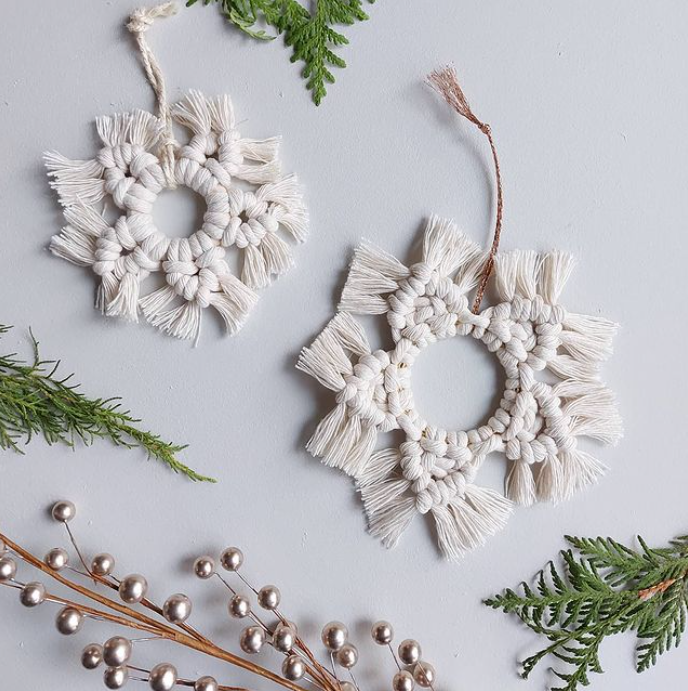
[(188, 637)]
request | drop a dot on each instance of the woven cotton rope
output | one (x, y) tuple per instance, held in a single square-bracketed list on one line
[(536, 426), (250, 206), (553, 394)]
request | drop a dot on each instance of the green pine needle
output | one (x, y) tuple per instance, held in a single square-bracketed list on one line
[(603, 588), (310, 34), (35, 401)]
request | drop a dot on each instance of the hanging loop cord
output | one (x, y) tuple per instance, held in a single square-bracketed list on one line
[(446, 84), (139, 23)]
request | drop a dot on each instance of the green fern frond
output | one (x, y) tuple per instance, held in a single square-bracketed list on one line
[(310, 34), (603, 588)]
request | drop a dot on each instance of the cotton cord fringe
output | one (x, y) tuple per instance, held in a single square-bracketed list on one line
[(250, 206), (536, 426)]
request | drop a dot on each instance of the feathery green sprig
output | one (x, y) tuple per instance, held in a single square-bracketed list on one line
[(603, 588), (34, 400), (310, 34)]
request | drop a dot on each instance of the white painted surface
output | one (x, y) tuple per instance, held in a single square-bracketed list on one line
[(588, 106)]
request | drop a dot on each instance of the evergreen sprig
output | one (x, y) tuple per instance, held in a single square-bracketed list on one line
[(309, 33), (34, 400), (603, 588)]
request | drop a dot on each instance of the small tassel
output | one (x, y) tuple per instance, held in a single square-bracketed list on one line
[(586, 347), (390, 524), (193, 112), (578, 470), (567, 367), (277, 254), (517, 274), (349, 448), (113, 130), (381, 465), (597, 401), (153, 304), (373, 274), (240, 293), (329, 429), (227, 309), (106, 291), (258, 174), (86, 219), (342, 453), (350, 334), (254, 272), (286, 192), (607, 427), (469, 272), (326, 359), (596, 327), (388, 508), (125, 302), (550, 485), (221, 114), (262, 150), (183, 322), (527, 274), (555, 272), (145, 129), (294, 220), (505, 275), (520, 484), (466, 522), (75, 181), (595, 414), (574, 388), (74, 246), (234, 302), (446, 248)]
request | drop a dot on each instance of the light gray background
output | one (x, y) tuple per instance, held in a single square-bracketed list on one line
[(588, 102)]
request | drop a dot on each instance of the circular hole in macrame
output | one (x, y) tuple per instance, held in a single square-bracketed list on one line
[(552, 394), (457, 383), (180, 212)]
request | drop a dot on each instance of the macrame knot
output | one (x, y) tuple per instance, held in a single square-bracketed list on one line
[(364, 390), (140, 21), (142, 18), (440, 492), (249, 220)]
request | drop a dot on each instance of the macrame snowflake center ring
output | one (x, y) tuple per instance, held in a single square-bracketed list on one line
[(138, 160), (552, 397)]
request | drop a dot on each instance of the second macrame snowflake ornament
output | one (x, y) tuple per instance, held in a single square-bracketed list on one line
[(553, 394), (249, 207)]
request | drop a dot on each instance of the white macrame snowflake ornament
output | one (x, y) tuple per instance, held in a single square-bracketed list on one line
[(537, 425), (249, 206)]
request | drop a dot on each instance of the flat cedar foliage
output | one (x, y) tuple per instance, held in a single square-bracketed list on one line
[(310, 34), (602, 588)]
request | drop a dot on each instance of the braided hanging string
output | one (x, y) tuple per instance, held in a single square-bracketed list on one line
[(139, 23), (447, 85)]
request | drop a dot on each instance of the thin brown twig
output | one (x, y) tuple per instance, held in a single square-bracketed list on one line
[(446, 83), (136, 620), (660, 587), (100, 614), (152, 607)]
